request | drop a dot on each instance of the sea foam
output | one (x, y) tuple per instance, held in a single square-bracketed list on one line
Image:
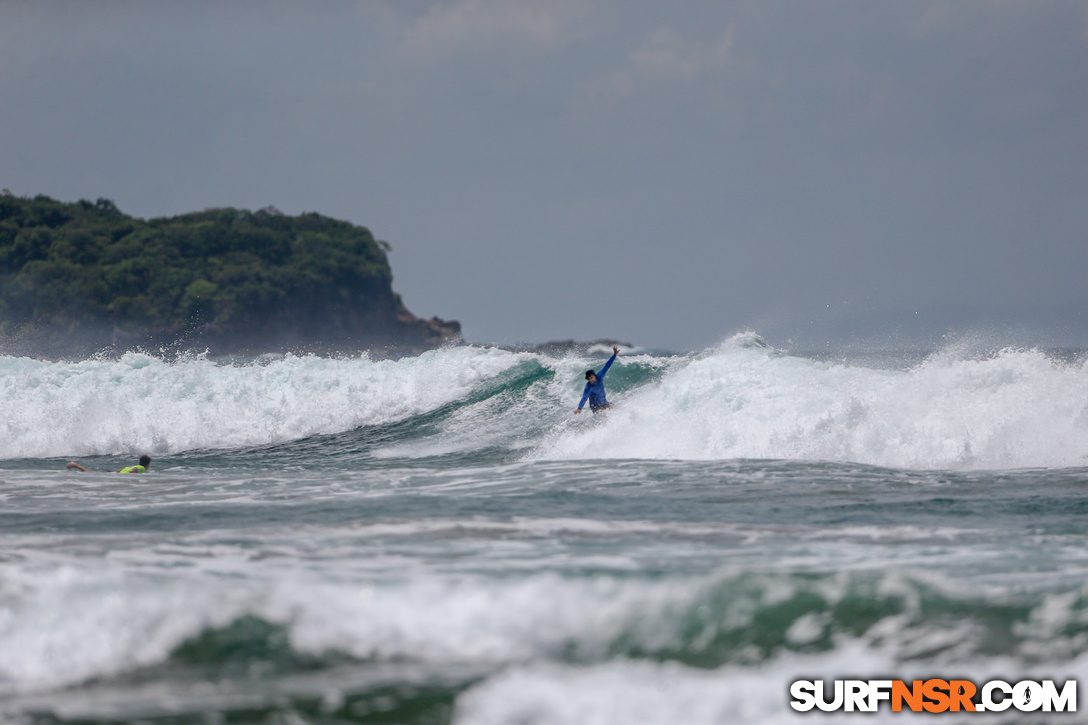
[(1010, 409), (141, 404)]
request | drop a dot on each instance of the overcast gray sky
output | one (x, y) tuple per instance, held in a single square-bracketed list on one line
[(665, 173)]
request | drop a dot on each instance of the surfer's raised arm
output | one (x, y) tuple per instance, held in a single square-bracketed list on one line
[(594, 390)]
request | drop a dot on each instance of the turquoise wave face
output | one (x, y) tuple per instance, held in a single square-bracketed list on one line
[(416, 652), (743, 620)]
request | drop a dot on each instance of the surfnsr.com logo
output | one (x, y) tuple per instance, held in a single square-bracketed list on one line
[(934, 695)]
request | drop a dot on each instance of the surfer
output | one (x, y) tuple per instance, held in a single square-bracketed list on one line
[(141, 467), (594, 391)]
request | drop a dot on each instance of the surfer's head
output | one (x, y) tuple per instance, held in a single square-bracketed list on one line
[(591, 375), (145, 461)]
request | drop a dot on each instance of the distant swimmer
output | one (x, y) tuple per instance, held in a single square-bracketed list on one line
[(141, 467), (594, 391)]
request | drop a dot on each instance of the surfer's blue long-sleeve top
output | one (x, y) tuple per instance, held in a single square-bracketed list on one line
[(595, 392)]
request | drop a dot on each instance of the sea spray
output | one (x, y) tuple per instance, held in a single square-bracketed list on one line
[(140, 403), (1013, 409)]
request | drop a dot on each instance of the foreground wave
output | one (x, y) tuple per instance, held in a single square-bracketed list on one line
[(534, 592)]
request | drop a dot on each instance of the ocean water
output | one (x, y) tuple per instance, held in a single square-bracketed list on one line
[(439, 539)]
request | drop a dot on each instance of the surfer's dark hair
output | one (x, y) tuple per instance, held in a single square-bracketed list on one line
[(590, 372), (145, 461)]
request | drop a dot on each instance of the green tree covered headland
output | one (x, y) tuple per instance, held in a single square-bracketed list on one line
[(75, 277)]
